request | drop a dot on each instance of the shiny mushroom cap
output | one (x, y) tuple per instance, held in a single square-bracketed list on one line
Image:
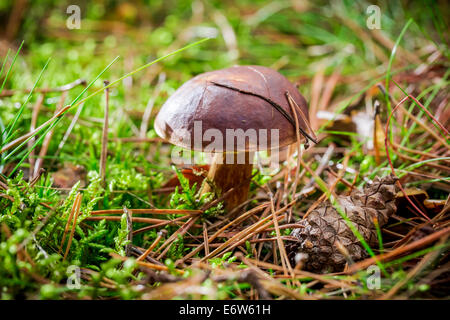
[(251, 98)]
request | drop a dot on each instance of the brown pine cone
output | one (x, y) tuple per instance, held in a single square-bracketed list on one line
[(316, 245)]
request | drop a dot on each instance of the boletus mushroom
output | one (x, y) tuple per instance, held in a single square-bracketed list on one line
[(222, 111)]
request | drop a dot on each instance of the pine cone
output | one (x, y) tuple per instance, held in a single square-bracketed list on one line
[(324, 226)]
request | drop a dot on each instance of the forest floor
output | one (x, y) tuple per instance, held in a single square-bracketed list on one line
[(115, 211)]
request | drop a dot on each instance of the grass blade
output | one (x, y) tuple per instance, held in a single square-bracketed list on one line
[(11, 66)]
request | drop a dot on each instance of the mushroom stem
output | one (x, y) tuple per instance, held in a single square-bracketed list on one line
[(230, 173)]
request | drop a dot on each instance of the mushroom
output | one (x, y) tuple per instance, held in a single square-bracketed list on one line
[(232, 105)]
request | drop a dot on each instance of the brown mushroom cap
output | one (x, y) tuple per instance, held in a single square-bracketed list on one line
[(213, 98)]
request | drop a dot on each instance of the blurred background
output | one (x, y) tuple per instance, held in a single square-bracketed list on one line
[(336, 52), (299, 37)]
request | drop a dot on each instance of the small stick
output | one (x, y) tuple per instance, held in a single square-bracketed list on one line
[(66, 87), (328, 90), (47, 139), (152, 246), (301, 273), (283, 256), (134, 219), (36, 230), (130, 231), (77, 206), (299, 150), (429, 257), (138, 140), (428, 164), (261, 224), (3, 185), (323, 164), (31, 133), (34, 118), (205, 239), (316, 89), (287, 226), (69, 129), (66, 229), (324, 195), (383, 90), (220, 231), (144, 264), (386, 142), (247, 236), (344, 181), (36, 177), (401, 250), (376, 125), (269, 282), (172, 238), (422, 153), (149, 211), (162, 224), (104, 152)]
